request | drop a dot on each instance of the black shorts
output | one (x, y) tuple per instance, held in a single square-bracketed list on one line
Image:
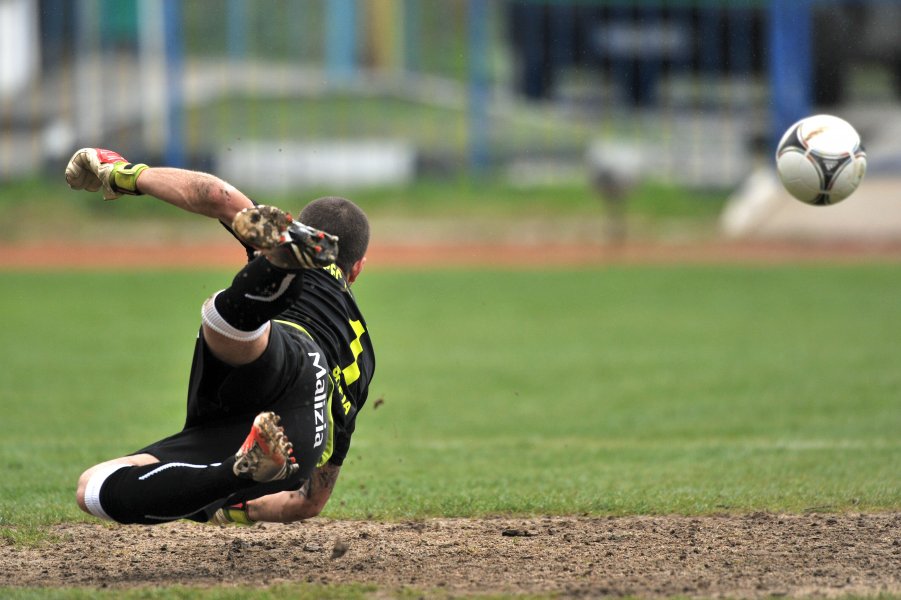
[(290, 378)]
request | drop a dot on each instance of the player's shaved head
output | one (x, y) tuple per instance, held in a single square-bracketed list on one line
[(341, 217)]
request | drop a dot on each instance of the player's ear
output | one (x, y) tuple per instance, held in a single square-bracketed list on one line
[(355, 270)]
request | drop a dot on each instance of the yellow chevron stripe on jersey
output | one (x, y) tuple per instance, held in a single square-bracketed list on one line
[(352, 372), (295, 326)]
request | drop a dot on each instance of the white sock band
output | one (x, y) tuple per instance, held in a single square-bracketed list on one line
[(213, 320), (92, 489)]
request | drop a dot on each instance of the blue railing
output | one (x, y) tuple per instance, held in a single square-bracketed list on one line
[(643, 68)]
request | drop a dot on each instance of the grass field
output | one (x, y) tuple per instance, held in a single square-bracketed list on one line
[(642, 390), (599, 391), (34, 207)]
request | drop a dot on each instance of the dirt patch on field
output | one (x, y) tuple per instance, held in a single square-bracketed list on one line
[(750, 556)]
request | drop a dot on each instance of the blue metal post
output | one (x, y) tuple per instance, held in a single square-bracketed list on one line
[(478, 84), (236, 27), (411, 38), (55, 16), (533, 49), (341, 39), (710, 27), (651, 64), (562, 27), (791, 63), (89, 100), (740, 40), (621, 66), (172, 19)]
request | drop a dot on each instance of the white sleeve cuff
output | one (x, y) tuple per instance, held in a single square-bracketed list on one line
[(92, 489), (215, 321)]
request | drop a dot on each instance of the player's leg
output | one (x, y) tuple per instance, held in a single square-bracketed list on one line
[(141, 489), (100, 471), (292, 377), (184, 475)]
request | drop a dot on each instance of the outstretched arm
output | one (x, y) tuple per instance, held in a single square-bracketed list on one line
[(94, 169), (195, 192)]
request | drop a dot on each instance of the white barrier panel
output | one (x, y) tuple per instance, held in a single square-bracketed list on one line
[(278, 166), (19, 51)]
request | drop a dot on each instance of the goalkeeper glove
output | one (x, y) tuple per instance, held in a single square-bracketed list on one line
[(91, 169), (233, 514)]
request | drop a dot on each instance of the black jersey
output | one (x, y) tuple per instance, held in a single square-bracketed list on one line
[(328, 311)]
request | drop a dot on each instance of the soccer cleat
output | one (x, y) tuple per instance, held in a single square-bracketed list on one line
[(266, 453), (285, 242)]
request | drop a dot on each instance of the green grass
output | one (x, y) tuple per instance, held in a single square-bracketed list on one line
[(688, 390), (32, 208), (641, 390)]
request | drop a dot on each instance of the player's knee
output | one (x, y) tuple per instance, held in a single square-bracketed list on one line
[(80, 488), (88, 488), (85, 482)]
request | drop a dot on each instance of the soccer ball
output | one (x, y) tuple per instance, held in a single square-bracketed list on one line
[(820, 160)]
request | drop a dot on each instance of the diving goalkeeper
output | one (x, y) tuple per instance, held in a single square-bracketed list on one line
[(282, 362)]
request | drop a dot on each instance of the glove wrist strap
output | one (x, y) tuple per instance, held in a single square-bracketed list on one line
[(124, 178), (237, 513)]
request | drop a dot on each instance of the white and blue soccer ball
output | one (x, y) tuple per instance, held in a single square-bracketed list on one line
[(821, 160)]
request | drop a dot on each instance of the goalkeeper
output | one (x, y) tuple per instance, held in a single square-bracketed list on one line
[(282, 362)]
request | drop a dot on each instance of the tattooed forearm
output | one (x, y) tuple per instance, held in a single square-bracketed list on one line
[(303, 503), (304, 491), (323, 479)]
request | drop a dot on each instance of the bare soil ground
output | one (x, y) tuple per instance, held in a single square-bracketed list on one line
[(737, 556), (454, 253), (749, 556)]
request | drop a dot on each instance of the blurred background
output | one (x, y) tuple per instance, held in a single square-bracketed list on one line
[(612, 101), (617, 129)]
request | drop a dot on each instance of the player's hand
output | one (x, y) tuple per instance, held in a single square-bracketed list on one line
[(235, 514), (92, 169)]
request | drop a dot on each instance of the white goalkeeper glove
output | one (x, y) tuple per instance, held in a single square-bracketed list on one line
[(91, 169)]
